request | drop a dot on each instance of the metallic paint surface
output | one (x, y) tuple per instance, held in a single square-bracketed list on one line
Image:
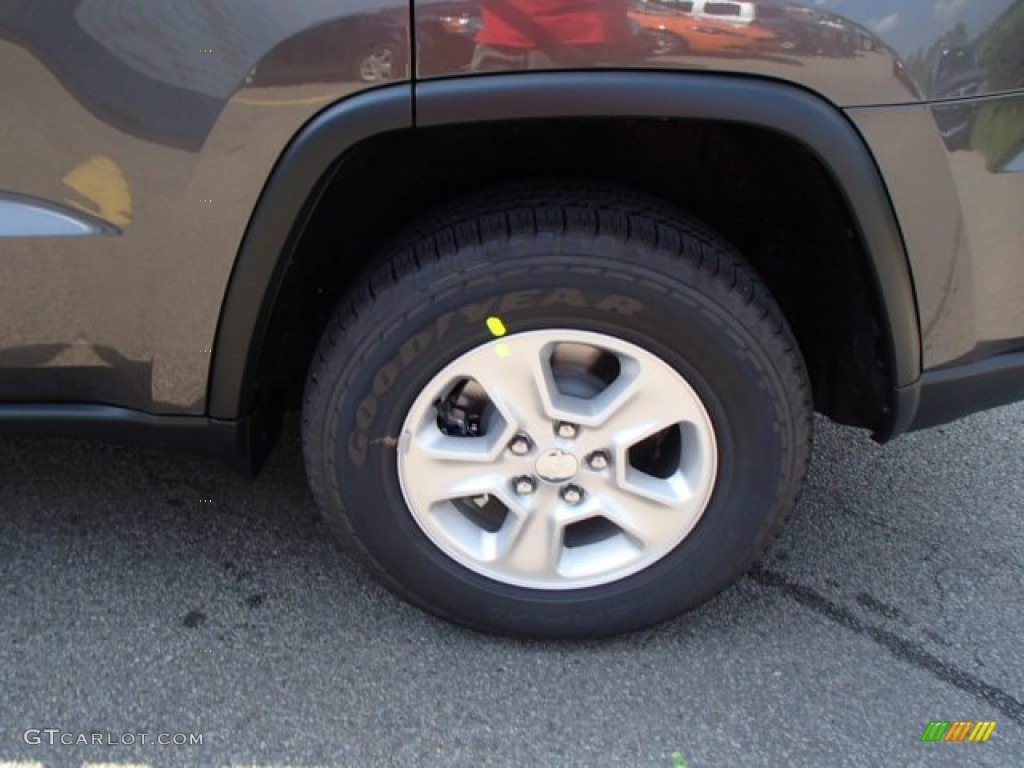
[(960, 210), (182, 108), (165, 119)]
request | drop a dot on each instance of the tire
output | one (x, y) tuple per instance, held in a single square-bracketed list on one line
[(647, 296)]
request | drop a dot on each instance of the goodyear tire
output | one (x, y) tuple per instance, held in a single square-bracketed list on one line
[(557, 411)]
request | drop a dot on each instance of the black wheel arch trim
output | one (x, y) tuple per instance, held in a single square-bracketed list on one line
[(800, 114), (283, 209)]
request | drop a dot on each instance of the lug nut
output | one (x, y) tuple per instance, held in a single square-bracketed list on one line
[(598, 460), (524, 486), (572, 494), (566, 430), (520, 445)]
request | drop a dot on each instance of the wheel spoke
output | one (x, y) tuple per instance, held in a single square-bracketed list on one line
[(638, 407), (533, 546), (515, 380), (444, 472), (650, 403), (649, 518)]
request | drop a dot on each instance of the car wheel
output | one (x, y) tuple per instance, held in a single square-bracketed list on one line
[(665, 43), (377, 65), (558, 411)]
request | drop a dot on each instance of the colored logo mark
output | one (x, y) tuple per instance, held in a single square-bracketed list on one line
[(496, 326), (958, 730)]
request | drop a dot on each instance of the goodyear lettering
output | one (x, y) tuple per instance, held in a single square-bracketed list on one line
[(622, 305), (415, 347), (366, 412), (517, 300), (569, 297), (444, 322), (385, 377), (357, 443), (477, 312)]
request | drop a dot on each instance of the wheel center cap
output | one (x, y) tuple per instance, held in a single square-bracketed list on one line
[(556, 466)]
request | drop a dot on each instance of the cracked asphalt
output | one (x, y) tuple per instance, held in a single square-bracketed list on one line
[(128, 605)]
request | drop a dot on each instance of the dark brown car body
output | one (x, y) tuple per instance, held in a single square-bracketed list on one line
[(186, 188)]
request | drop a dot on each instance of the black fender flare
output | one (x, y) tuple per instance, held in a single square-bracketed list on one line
[(281, 214), (300, 174)]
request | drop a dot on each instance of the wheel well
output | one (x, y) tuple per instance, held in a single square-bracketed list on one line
[(764, 192)]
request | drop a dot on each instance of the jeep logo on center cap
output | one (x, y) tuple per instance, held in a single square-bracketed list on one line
[(556, 466)]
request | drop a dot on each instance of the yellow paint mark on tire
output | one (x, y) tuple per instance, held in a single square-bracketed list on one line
[(496, 326)]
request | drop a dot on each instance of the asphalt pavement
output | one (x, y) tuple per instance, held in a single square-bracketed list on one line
[(142, 593)]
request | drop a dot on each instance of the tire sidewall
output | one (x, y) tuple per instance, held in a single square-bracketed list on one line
[(692, 322)]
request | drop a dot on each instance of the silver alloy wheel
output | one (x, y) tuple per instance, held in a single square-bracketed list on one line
[(630, 407)]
